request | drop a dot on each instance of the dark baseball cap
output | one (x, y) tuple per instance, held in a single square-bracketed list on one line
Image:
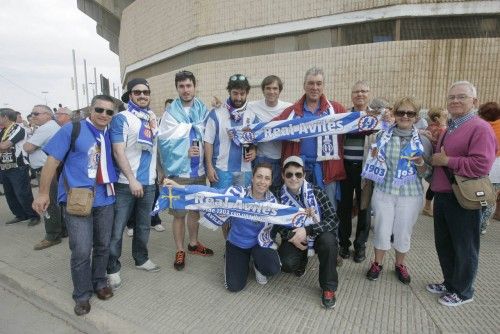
[(131, 84)]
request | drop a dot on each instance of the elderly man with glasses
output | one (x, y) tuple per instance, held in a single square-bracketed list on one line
[(46, 128), (467, 148)]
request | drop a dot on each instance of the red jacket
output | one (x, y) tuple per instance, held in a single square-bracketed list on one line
[(333, 170)]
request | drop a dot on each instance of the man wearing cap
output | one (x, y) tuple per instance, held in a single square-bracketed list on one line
[(181, 153), (134, 138), (354, 144), (265, 110), (318, 235), (63, 116), (229, 164), (324, 166), (45, 129)]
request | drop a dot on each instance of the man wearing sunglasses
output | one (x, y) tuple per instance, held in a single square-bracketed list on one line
[(87, 163), (134, 137), (181, 153), (46, 128), (317, 235)]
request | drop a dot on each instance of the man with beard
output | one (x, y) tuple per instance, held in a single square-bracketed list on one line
[(228, 163), (134, 138), (181, 156)]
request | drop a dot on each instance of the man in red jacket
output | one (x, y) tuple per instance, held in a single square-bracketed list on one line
[(323, 167)]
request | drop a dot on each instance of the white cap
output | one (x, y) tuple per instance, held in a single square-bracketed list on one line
[(293, 158)]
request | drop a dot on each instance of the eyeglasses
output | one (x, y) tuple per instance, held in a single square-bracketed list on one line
[(183, 74), (109, 112), (37, 113), (407, 113), (238, 77), (362, 91), (298, 175), (137, 92), (460, 97)]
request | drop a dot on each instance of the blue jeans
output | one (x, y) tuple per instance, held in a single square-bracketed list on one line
[(457, 234), (89, 235), (125, 203), (17, 188)]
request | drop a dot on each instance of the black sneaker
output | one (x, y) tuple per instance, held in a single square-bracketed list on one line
[(301, 270), (344, 252), (402, 273), (34, 221), (13, 221), (359, 255), (328, 299), (374, 271)]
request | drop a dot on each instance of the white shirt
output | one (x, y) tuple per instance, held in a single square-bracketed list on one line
[(40, 137), (264, 113)]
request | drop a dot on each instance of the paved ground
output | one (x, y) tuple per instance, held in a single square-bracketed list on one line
[(195, 301)]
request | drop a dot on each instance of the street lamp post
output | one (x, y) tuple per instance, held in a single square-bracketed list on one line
[(45, 94)]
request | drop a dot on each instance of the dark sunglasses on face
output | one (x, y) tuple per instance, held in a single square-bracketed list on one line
[(137, 92), (238, 77), (407, 113), (109, 112), (298, 175)]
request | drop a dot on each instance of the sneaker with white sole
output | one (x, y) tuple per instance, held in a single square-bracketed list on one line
[(437, 288), (114, 280), (452, 299), (259, 277), (158, 228), (130, 232), (149, 266)]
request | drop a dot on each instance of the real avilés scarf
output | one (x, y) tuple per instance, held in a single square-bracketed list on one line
[(106, 173), (235, 113), (178, 130), (213, 221), (148, 130), (327, 145), (309, 201), (376, 167)]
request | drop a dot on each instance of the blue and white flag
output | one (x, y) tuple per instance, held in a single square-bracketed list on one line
[(298, 128)]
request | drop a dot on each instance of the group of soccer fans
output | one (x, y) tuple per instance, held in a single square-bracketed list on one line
[(375, 175)]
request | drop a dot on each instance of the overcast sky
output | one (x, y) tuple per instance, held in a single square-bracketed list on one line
[(36, 42)]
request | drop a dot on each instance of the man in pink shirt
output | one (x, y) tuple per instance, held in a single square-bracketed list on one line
[(467, 149)]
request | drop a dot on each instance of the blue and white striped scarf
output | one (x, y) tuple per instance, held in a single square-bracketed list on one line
[(149, 129)]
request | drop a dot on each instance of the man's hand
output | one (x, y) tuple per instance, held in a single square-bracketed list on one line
[(212, 175), (299, 239), (136, 188), (41, 203), (251, 154), (440, 159), (194, 151)]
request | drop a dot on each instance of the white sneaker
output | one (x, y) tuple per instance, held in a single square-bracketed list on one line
[(114, 280), (261, 279), (130, 232), (149, 266), (158, 228)]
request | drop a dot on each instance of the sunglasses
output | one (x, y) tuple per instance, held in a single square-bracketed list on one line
[(407, 113), (298, 175), (182, 74), (238, 77), (137, 92), (109, 112)]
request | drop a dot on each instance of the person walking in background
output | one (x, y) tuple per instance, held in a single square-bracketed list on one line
[(490, 112), (438, 119)]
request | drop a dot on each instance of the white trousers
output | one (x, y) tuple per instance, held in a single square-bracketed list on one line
[(394, 215)]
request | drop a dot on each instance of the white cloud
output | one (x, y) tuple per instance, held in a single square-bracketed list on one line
[(37, 39)]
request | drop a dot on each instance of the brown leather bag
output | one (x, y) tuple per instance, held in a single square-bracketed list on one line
[(79, 201), (473, 193)]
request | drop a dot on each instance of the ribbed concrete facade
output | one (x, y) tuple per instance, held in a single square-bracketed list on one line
[(159, 38)]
